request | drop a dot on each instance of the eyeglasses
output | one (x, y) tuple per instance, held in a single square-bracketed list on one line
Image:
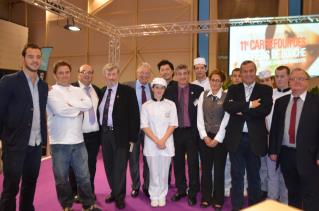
[(86, 72), (298, 79), (215, 80)]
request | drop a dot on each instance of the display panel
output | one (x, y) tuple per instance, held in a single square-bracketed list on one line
[(294, 45)]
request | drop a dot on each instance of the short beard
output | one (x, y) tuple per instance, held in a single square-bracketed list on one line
[(30, 69)]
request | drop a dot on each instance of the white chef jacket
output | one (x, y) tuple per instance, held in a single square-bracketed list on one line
[(205, 83), (158, 116), (65, 114)]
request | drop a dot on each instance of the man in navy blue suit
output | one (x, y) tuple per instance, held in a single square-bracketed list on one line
[(23, 130)]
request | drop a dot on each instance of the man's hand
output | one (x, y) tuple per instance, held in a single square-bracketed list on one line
[(255, 103), (273, 157)]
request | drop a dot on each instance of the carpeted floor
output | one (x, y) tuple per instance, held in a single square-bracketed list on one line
[(46, 199)]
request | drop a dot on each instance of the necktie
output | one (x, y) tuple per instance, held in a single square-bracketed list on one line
[(181, 109), (248, 92), (292, 125), (106, 108), (143, 94), (214, 98), (91, 111)]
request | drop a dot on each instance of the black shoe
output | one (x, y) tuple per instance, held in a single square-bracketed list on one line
[(204, 204), (178, 196), (76, 199), (218, 208), (192, 200), (135, 193), (146, 193), (109, 199), (120, 204)]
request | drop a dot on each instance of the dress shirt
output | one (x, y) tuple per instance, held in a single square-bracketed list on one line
[(87, 127), (65, 108), (102, 104), (200, 115), (248, 90), (204, 83), (300, 103), (35, 135), (138, 91), (186, 119)]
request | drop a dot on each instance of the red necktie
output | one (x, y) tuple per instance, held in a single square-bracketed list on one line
[(292, 125), (143, 94)]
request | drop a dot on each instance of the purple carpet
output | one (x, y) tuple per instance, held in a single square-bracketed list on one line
[(46, 199)]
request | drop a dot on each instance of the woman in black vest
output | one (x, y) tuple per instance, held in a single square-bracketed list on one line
[(212, 152)]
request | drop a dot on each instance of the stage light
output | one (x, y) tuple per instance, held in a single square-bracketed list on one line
[(70, 25)]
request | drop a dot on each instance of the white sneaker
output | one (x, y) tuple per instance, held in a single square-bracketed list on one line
[(154, 203), (162, 202)]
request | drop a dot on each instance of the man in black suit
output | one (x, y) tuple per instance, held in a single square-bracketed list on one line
[(120, 125), (24, 130), (248, 104), (90, 125), (294, 141), (143, 93), (166, 71), (186, 137)]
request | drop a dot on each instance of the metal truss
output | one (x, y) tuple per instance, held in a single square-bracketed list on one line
[(66, 9)]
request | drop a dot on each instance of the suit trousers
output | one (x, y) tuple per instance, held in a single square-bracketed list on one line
[(134, 164), (213, 158), (92, 143), (244, 158), (115, 164), (303, 187), (185, 143), (17, 164)]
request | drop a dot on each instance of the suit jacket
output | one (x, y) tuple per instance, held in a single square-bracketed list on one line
[(307, 136), (235, 102), (171, 93), (126, 116), (132, 84), (16, 111)]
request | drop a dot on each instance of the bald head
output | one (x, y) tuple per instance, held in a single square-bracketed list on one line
[(85, 74)]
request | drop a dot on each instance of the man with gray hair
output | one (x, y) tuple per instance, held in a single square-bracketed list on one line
[(120, 125), (143, 93)]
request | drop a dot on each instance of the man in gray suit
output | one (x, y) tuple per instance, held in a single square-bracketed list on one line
[(143, 93)]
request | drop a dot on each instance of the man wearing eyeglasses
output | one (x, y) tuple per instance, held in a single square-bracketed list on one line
[(90, 126), (294, 141)]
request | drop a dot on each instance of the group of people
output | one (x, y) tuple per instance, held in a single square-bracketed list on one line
[(252, 130)]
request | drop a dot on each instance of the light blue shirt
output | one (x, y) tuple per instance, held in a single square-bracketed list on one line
[(138, 91), (101, 107), (35, 135)]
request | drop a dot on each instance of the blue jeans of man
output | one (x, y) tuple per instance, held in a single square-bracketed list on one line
[(244, 158), (65, 156)]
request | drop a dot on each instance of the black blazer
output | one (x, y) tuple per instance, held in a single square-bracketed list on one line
[(235, 102), (16, 111), (171, 93), (307, 136), (126, 116)]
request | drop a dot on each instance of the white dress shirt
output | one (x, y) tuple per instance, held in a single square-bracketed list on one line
[(158, 116), (87, 127), (200, 116), (204, 83), (65, 108)]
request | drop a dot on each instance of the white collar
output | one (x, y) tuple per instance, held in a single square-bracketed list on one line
[(218, 95), (302, 96)]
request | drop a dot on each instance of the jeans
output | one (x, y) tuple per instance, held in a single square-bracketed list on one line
[(244, 158), (19, 166), (65, 156)]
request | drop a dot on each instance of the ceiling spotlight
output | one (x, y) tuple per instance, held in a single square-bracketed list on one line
[(70, 25)]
